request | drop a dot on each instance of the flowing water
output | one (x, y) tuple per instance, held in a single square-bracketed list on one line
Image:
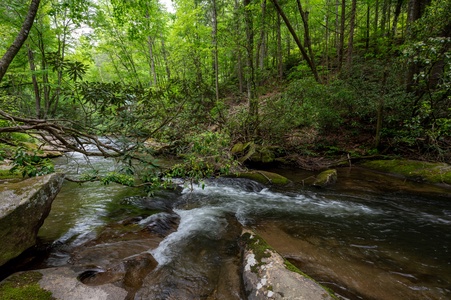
[(369, 237)]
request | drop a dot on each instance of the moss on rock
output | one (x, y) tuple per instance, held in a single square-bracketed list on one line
[(326, 178), (264, 177), (23, 286), (259, 248), (415, 170)]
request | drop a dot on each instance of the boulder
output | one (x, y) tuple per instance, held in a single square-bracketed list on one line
[(326, 178), (264, 177), (266, 275), (24, 206)]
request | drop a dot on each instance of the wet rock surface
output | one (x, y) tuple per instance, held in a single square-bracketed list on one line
[(62, 282), (266, 274), (24, 206)]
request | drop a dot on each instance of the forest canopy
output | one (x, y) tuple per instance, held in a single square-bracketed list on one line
[(280, 78)]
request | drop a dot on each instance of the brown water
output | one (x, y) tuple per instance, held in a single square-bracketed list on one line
[(369, 237)]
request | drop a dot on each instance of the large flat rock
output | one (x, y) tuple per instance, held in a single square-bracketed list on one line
[(24, 206), (266, 275)]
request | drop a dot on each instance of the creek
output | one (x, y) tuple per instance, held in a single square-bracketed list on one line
[(370, 236)]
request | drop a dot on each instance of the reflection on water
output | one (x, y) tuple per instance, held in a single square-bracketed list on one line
[(365, 239)]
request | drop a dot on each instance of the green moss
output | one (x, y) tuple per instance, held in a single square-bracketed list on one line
[(24, 286), (325, 178), (264, 177), (6, 174), (294, 269), (415, 170), (259, 248)]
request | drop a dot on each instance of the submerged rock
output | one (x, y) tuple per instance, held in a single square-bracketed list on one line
[(266, 275), (326, 178), (265, 177), (23, 208), (63, 284), (420, 171)]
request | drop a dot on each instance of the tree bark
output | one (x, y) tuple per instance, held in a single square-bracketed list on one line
[(252, 126), (342, 35), (153, 73), (37, 95), (297, 40), (307, 39), (214, 34), (279, 48), (396, 17), (12, 51), (351, 33)]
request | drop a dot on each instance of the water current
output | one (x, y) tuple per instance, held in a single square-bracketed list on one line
[(369, 237)]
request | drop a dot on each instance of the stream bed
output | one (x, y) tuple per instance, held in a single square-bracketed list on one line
[(371, 236)]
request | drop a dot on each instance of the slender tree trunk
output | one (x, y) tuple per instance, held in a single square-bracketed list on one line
[(37, 95), (342, 35), (279, 48), (45, 76), (376, 18), (261, 46), (238, 52), (308, 42), (367, 32), (351, 33), (297, 40), (380, 111), (12, 51), (399, 4), (337, 26), (214, 34), (385, 8), (153, 73), (416, 9), (250, 74), (165, 58)]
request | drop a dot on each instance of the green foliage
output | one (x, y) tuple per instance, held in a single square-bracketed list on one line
[(116, 177), (30, 165), (207, 156), (304, 104)]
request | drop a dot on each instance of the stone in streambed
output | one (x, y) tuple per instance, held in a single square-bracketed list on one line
[(24, 206), (326, 178)]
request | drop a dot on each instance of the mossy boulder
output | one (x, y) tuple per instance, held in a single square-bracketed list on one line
[(264, 177), (429, 172), (24, 205), (326, 178)]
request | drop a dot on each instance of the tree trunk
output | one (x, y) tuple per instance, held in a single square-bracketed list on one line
[(214, 34), (351, 33), (279, 48), (396, 16), (261, 46), (238, 51), (380, 110), (12, 51), (165, 58), (367, 32), (252, 126), (337, 26), (297, 40), (37, 95), (308, 43), (153, 73), (342, 35)]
